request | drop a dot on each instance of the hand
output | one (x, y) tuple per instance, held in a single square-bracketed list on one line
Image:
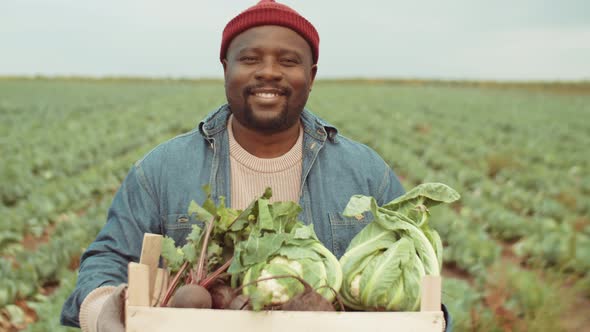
[(112, 315)]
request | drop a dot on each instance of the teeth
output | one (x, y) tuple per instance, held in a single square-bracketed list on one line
[(266, 95)]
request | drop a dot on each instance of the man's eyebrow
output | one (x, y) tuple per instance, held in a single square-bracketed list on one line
[(247, 49), (284, 51)]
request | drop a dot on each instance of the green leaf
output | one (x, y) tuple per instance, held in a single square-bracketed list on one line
[(357, 205), (385, 272), (304, 232), (427, 194), (265, 221), (259, 249), (200, 212), (436, 243), (299, 253), (195, 235), (284, 215), (226, 216), (173, 257), (191, 253)]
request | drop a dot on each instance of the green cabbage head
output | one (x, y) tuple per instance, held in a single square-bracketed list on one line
[(384, 264)]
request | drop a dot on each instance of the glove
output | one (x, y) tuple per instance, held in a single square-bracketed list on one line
[(112, 314)]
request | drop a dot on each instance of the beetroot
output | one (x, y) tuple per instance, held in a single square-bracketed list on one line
[(308, 300), (191, 296), (240, 302), (222, 295), (195, 293)]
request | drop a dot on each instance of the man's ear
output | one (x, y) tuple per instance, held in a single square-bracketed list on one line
[(314, 70), (224, 64)]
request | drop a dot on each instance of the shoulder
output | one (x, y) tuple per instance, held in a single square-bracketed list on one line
[(192, 144), (360, 160), (175, 148), (355, 154), (354, 160), (349, 144), (339, 149)]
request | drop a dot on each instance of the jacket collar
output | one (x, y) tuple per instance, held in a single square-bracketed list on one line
[(216, 122)]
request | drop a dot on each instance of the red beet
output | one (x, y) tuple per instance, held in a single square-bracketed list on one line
[(309, 300), (222, 295), (191, 296), (240, 302)]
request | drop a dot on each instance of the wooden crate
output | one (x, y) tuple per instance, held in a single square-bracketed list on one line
[(145, 280)]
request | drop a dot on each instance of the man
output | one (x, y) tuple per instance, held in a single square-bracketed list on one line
[(262, 137)]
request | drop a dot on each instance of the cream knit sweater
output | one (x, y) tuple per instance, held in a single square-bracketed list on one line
[(251, 175)]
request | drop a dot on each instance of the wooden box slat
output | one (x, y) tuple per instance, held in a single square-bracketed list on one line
[(148, 319)]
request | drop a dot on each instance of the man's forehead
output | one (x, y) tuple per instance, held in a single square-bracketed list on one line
[(262, 31)]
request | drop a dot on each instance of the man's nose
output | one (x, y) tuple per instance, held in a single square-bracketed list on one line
[(269, 70)]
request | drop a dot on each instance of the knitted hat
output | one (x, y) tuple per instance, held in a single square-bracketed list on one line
[(268, 12)]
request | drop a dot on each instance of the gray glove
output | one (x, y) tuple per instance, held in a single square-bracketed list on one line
[(112, 314)]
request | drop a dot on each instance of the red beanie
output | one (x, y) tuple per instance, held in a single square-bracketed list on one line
[(268, 12)]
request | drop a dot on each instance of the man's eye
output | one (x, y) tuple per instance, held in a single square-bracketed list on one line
[(248, 59), (289, 61)]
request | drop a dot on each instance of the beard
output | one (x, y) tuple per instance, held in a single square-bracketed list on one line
[(272, 124), (269, 121)]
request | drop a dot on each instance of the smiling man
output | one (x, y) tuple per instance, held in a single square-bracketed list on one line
[(263, 137)]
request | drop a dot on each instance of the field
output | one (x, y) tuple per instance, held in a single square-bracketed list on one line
[(517, 245)]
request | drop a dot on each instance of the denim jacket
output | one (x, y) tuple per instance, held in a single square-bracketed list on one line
[(155, 195)]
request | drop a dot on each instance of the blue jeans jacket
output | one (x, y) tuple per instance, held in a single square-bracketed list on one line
[(156, 194)]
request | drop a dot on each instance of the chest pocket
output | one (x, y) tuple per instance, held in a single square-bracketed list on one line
[(179, 226), (344, 229)]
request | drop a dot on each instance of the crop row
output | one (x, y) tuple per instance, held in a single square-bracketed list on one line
[(501, 203), (85, 135), (22, 275), (45, 206)]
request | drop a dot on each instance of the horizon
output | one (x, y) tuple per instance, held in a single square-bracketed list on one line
[(541, 41), (407, 80)]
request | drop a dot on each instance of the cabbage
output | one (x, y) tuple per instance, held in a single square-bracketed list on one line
[(280, 245), (385, 262)]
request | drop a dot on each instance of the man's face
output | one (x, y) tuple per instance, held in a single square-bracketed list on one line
[(268, 72)]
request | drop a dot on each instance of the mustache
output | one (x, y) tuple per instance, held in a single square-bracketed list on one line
[(248, 90)]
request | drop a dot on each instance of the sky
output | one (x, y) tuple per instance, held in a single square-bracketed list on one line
[(449, 39)]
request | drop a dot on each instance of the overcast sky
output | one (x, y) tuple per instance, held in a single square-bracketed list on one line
[(463, 39)]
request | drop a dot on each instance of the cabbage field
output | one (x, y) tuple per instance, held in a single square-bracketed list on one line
[(516, 245)]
